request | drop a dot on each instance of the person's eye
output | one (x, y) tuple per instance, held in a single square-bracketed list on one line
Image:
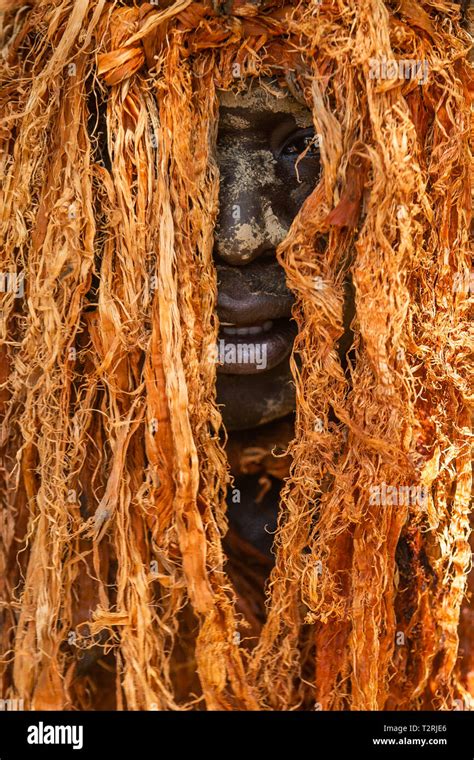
[(299, 142)]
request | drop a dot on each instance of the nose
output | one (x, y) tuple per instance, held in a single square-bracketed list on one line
[(247, 226)]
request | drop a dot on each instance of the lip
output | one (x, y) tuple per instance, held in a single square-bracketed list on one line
[(252, 354), (252, 294)]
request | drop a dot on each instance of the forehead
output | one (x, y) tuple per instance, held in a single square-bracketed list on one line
[(257, 106)]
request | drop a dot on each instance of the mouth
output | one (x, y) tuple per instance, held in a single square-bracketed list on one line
[(248, 349), (254, 308)]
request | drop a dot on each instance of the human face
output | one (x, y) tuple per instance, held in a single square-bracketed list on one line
[(265, 177)]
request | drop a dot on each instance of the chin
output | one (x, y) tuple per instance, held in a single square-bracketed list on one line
[(248, 401)]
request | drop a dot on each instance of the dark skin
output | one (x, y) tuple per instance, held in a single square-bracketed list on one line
[(269, 163), (268, 166)]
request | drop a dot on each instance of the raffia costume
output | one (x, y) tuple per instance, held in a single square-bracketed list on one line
[(115, 474)]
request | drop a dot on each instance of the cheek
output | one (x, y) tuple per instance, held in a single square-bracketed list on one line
[(289, 193), (284, 202), (246, 172)]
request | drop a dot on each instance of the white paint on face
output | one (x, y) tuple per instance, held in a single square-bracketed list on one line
[(275, 230), (257, 98)]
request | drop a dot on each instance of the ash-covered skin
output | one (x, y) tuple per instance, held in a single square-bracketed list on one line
[(259, 140), (264, 179)]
